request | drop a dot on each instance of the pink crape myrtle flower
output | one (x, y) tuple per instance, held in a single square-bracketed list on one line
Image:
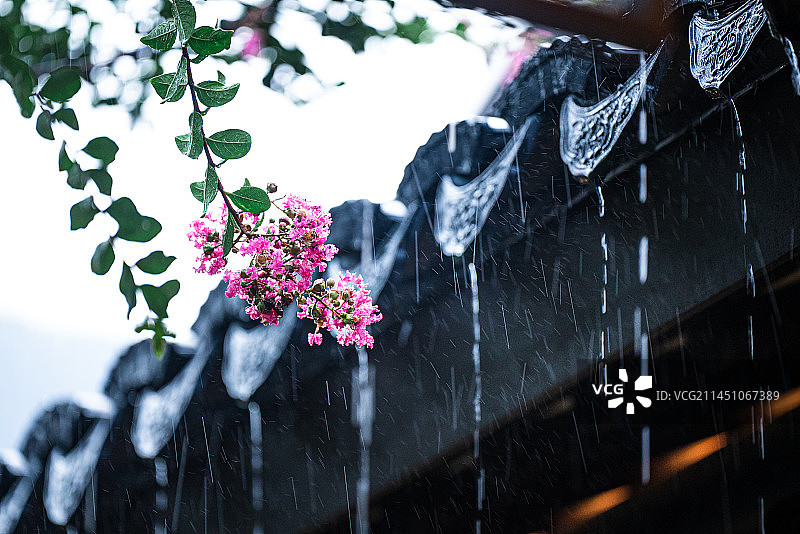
[(342, 306), (206, 235), (283, 257)]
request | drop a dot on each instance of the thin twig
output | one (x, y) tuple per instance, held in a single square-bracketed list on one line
[(206, 149)]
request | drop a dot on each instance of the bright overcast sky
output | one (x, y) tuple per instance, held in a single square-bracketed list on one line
[(62, 327)]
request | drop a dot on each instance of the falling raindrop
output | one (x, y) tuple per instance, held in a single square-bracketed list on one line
[(644, 365), (643, 253), (740, 182), (637, 330), (645, 455), (604, 245), (256, 465), (363, 416), (740, 174), (642, 94), (601, 202), (476, 361), (162, 482), (643, 183), (751, 281)]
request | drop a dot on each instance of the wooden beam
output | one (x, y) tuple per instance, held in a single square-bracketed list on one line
[(640, 26)]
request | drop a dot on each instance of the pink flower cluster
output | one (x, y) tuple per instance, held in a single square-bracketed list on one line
[(342, 306), (206, 235), (283, 257)]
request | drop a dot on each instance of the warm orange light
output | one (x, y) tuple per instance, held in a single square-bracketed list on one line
[(670, 464), (691, 454), (787, 402), (599, 504)]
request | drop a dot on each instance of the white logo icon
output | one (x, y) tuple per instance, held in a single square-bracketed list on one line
[(642, 383)]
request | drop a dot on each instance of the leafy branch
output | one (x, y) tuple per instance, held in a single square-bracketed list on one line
[(205, 41), (283, 256), (59, 87)]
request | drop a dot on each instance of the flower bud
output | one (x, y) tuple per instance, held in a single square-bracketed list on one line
[(330, 282), (271, 187)]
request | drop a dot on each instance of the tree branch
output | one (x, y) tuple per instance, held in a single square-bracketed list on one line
[(196, 106)]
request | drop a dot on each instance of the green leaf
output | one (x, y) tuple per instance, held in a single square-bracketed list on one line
[(62, 84), (155, 262), (44, 125), (158, 297), (162, 37), (67, 116), (82, 213), (182, 142), (20, 77), (159, 329), (213, 94), (101, 179), (220, 77), (197, 190), (185, 17), (229, 144), (76, 178), (132, 225), (195, 135), (103, 258), (161, 84), (206, 190), (102, 148), (198, 58), (181, 79), (191, 144), (207, 41), (227, 237), (64, 163), (128, 287), (250, 199)]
